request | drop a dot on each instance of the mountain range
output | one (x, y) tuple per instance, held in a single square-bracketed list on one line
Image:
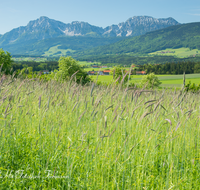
[(75, 36)]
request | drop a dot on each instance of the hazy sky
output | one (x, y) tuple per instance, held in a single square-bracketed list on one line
[(15, 13)]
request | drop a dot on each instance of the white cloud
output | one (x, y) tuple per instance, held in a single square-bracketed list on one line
[(194, 14)]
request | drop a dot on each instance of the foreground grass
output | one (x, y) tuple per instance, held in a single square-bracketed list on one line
[(167, 80), (65, 136)]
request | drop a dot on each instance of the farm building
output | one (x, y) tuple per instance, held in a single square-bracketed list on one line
[(91, 72), (140, 72), (45, 71), (95, 66), (106, 72)]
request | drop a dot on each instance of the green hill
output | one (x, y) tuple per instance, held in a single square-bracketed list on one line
[(185, 35), (60, 45)]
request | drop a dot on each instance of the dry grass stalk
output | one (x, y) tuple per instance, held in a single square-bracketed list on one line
[(122, 111), (163, 107), (117, 79), (149, 105), (95, 114), (92, 89), (149, 101), (98, 101), (21, 85), (116, 109), (114, 118), (180, 101), (6, 108), (169, 121), (105, 122), (157, 105), (39, 101), (179, 123), (74, 106), (109, 107), (73, 75)]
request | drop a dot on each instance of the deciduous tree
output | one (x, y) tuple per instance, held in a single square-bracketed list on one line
[(69, 67), (120, 73), (5, 61), (150, 80)]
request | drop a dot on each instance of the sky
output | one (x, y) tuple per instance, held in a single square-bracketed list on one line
[(102, 13)]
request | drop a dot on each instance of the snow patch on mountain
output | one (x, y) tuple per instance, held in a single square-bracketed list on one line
[(71, 33), (129, 33)]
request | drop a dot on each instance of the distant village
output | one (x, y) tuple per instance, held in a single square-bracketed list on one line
[(108, 71), (104, 70)]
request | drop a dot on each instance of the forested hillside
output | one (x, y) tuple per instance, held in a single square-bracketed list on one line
[(76, 43), (185, 35)]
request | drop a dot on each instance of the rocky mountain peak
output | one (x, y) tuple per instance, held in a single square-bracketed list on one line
[(139, 25), (44, 27)]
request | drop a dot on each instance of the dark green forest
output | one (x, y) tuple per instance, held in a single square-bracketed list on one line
[(184, 35), (37, 66), (173, 68), (76, 43), (112, 60)]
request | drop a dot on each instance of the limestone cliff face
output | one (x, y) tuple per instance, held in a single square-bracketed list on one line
[(138, 25)]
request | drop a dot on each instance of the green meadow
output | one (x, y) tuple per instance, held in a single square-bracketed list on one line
[(88, 63), (180, 52), (36, 59), (56, 51), (66, 136), (167, 80)]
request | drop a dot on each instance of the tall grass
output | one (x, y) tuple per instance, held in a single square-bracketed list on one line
[(66, 136)]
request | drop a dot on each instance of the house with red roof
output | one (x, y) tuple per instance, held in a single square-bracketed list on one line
[(140, 72), (106, 72), (95, 66), (91, 72)]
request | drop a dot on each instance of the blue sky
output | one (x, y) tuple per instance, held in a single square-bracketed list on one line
[(15, 13)]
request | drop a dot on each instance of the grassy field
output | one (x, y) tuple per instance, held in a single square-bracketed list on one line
[(167, 80), (180, 52), (101, 69), (65, 136), (37, 59), (88, 64), (55, 51)]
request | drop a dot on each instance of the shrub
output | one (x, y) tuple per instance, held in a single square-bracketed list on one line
[(5, 62), (150, 80), (192, 87), (69, 68), (120, 73)]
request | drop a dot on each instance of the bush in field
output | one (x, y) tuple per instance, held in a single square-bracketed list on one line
[(150, 80), (69, 67), (120, 73), (5, 61), (192, 87)]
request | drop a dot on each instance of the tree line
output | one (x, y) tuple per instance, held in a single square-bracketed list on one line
[(36, 66), (173, 68), (30, 68), (125, 59)]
